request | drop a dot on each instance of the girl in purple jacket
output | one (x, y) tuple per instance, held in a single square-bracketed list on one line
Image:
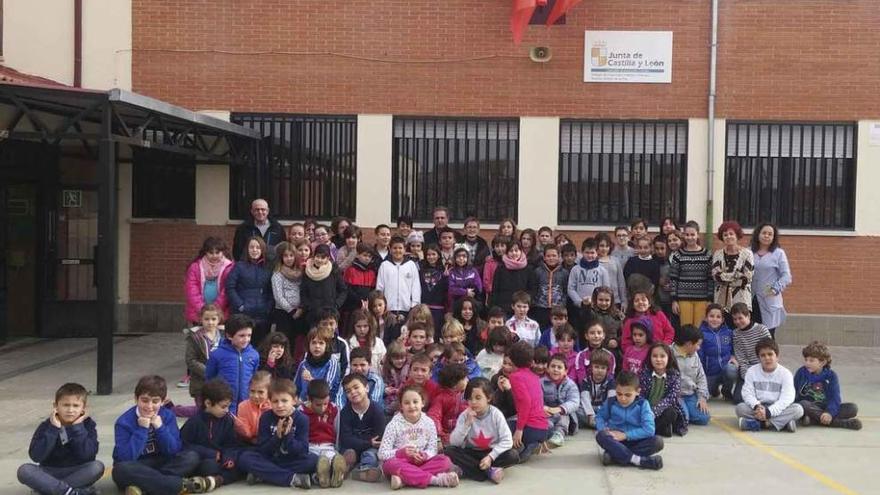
[(464, 279)]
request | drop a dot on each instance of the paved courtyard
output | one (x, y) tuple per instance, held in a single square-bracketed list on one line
[(711, 459)]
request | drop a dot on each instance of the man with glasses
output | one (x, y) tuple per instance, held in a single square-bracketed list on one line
[(475, 245), (259, 224)]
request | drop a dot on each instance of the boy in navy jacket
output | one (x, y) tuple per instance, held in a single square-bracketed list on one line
[(817, 390), (148, 456), (282, 455), (211, 434), (361, 426), (235, 360), (64, 447), (625, 427)]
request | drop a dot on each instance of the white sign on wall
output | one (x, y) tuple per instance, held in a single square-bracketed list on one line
[(628, 56)]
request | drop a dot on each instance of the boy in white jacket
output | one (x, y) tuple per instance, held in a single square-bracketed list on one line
[(768, 393), (399, 280)]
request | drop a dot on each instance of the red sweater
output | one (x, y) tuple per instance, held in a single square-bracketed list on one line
[(661, 329), (321, 427), (528, 398), (431, 389), (446, 405)]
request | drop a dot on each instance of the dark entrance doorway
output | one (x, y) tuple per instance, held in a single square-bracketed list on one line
[(18, 249)]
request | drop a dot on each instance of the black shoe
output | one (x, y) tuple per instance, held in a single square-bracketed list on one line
[(89, 490), (658, 444), (666, 431), (850, 424), (196, 484), (654, 462), (607, 460)]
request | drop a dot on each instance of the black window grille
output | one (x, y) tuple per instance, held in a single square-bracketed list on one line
[(796, 175), (163, 184), (467, 165), (307, 166), (613, 171)]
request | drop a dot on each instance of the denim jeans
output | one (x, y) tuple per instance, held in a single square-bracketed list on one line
[(622, 452), (693, 413), (57, 480), (368, 459), (156, 474), (726, 380)]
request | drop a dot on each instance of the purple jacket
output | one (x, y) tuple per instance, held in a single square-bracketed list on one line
[(462, 279)]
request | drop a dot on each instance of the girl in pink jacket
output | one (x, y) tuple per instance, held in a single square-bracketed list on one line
[(640, 307), (206, 279)]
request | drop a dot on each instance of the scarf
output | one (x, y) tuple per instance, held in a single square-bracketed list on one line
[(318, 274), (210, 271), (319, 362), (588, 265), (292, 274), (515, 264)]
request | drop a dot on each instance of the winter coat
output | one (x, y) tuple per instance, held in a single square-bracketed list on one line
[(235, 367), (733, 284), (132, 442), (635, 420), (822, 388), (274, 234), (551, 286), (320, 294), (400, 283), (249, 289), (506, 282), (198, 349), (669, 399), (286, 292), (661, 329), (462, 279), (435, 286), (207, 436), (67, 446), (360, 280), (446, 405), (717, 348), (194, 287)]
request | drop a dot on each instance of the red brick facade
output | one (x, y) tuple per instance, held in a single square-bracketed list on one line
[(830, 273)]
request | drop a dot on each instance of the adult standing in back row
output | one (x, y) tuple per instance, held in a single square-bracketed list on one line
[(440, 216), (732, 270), (772, 276), (258, 225)]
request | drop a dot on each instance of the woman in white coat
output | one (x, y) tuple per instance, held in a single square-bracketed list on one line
[(772, 275)]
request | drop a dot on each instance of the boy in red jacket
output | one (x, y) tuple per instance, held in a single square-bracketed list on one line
[(448, 402), (322, 434)]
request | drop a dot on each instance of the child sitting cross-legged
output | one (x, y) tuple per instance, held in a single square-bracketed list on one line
[(320, 362), (481, 443), (409, 447), (660, 383), (447, 403), (322, 414), (361, 426), (211, 434), (247, 421), (595, 389), (561, 400), (360, 365), (64, 447), (768, 393), (818, 391), (694, 389), (625, 427), (282, 455), (148, 456)]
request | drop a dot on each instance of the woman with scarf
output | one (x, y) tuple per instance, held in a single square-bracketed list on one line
[(513, 274), (732, 270), (249, 287), (322, 285), (206, 279)]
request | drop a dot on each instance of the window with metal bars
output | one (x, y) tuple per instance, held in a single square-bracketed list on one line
[(163, 184), (468, 165), (796, 175), (613, 171), (307, 166)]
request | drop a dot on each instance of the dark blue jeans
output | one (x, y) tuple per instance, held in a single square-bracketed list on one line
[(622, 452), (280, 474), (156, 474), (57, 480)]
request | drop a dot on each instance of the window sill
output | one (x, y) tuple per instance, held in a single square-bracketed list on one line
[(141, 220)]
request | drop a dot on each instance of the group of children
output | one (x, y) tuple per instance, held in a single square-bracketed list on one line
[(372, 393)]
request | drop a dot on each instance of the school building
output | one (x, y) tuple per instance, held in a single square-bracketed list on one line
[(372, 109)]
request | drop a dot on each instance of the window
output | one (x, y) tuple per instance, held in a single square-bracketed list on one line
[(163, 184), (542, 12), (796, 175), (308, 166), (467, 165), (613, 171)]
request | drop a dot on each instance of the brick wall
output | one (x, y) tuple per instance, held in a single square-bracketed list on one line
[(798, 59), (831, 274)]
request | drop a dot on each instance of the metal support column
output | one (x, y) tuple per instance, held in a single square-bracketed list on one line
[(107, 252)]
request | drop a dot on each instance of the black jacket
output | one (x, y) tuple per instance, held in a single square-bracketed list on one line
[(317, 295), (206, 435), (506, 282), (274, 234), (66, 446)]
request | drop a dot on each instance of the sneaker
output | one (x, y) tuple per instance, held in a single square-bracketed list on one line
[(213, 482), (396, 482), (89, 490), (323, 471), (457, 470), (351, 458), (666, 431), (658, 444), (806, 421), (747, 424), (495, 474), (654, 462), (133, 490), (338, 468), (447, 480), (607, 460), (850, 424), (196, 484), (184, 382), (557, 439), (526, 452), (301, 480), (252, 479), (369, 475), (791, 426)]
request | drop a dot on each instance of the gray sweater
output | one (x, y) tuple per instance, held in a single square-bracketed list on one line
[(489, 431), (693, 379)]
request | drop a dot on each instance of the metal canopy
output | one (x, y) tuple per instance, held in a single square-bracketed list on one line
[(55, 114), (101, 121)]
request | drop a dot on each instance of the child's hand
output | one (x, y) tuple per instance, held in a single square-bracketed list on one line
[(517, 439), (702, 405), (547, 411), (618, 435), (504, 383), (54, 419), (306, 375), (586, 302), (376, 441), (470, 417), (825, 418), (485, 463), (144, 422), (733, 361), (470, 292), (760, 413), (612, 344), (675, 307), (82, 417), (156, 421), (298, 313)]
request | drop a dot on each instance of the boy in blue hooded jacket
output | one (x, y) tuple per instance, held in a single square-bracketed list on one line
[(818, 391), (625, 427), (235, 360)]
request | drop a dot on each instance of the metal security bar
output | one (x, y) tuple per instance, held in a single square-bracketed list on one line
[(613, 171), (796, 175), (308, 166), (470, 166)]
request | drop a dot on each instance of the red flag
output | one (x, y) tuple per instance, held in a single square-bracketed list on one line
[(560, 9), (521, 15)]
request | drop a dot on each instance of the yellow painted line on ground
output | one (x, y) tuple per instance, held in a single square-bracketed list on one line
[(862, 418), (788, 461)]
